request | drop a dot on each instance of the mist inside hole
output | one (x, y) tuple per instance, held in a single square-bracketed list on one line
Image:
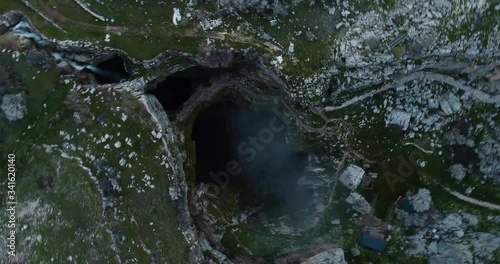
[(245, 153)]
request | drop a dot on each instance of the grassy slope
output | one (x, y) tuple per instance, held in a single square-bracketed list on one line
[(78, 225)]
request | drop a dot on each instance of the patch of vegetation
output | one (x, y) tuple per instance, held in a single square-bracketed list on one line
[(399, 51), (77, 197)]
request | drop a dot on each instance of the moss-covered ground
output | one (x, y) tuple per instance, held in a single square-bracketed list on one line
[(62, 172)]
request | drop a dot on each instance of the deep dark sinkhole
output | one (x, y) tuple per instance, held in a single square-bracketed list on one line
[(174, 91), (177, 88), (244, 152), (110, 70)]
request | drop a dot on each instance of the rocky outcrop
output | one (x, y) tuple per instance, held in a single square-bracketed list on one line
[(489, 155), (484, 244), (449, 238), (277, 7), (457, 171), (359, 203), (451, 253), (326, 254), (10, 19), (398, 118), (422, 200), (14, 106), (333, 256), (351, 177)]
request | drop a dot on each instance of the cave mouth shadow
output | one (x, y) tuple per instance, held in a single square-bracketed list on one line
[(110, 70), (261, 173), (177, 88)]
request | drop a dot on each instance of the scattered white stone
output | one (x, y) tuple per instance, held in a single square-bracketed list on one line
[(277, 62)]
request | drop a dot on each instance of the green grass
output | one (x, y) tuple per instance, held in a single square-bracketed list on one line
[(78, 224)]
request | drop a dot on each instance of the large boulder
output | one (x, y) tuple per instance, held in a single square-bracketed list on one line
[(351, 177), (421, 201), (450, 253), (457, 171), (484, 245), (332, 256), (11, 18), (399, 119), (255, 6), (359, 203), (14, 106), (3, 28), (418, 244)]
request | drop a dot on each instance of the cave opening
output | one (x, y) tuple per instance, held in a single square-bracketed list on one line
[(177, 88), (244, 152), (110, 70)]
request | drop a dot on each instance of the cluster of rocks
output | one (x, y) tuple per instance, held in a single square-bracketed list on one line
[(446, 238), (484, 150), (424, 106), (421, 201), (277, 7), (369, 33), (364, 47), (323, 254), (488, 153), (358, 203), (9, 20)]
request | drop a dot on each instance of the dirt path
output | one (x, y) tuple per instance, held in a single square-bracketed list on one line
[(53, 14), (472, 200)]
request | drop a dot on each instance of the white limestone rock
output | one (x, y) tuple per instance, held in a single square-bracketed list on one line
[(177, 16), (451, 253), (359, 203), (422, 200), (457, 171), (332, 256), (446, 107), (352, 176), (454, 102), (484, 245), (210, 24), (14, 106), (398, 118)]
